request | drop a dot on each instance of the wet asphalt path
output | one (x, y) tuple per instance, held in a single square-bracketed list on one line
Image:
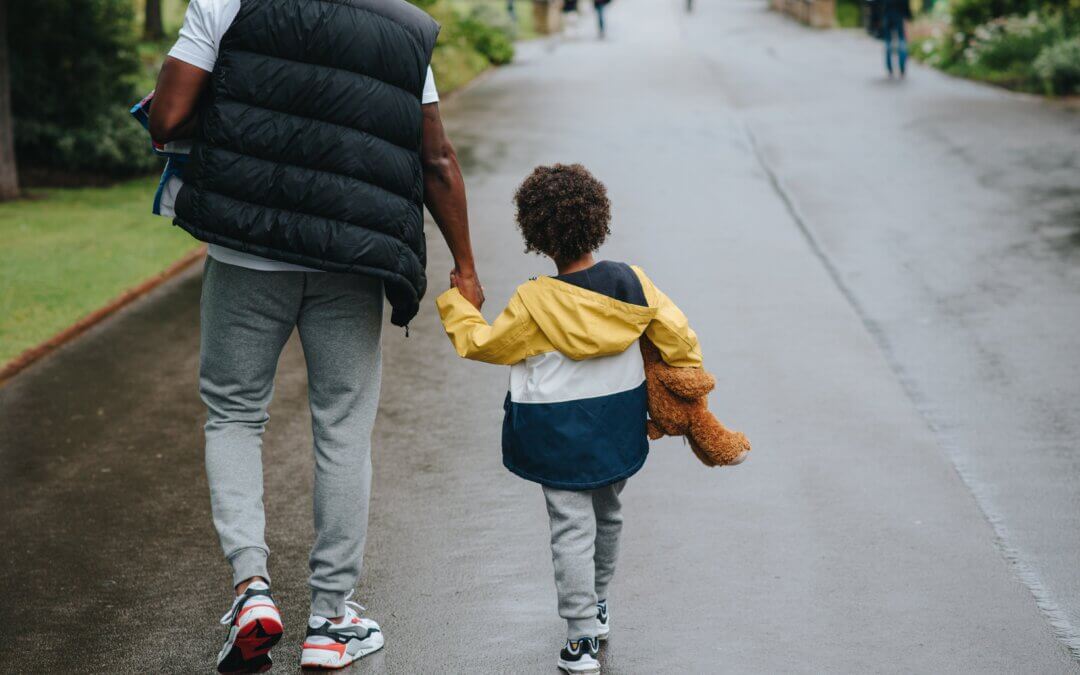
[(924, 325)]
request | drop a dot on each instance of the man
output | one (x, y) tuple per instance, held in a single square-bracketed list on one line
[(318, 142)]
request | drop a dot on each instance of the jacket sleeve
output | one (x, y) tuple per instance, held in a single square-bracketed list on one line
[(503, 342), (670, 331)]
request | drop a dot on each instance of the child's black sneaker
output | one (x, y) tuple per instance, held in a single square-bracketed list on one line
[(602, 620), (579, 656), (254, 627)]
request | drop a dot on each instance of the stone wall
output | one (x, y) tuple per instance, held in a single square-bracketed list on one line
[(816, 13), (547, 16)]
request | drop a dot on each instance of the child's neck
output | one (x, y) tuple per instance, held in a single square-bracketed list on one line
[(583, 263)]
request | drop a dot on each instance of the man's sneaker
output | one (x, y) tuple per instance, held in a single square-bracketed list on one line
[(336, 645), (579, 656), (254, 627), (602, 620)]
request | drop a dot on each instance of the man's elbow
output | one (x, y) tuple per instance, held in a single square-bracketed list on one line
[(164, 128), (441, 165), (160, 131)]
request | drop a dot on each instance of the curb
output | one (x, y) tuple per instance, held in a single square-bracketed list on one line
[(40, 351)]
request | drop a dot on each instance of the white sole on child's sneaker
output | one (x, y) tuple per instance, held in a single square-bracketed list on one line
[(333, 655), (582, 666), (603, 631)]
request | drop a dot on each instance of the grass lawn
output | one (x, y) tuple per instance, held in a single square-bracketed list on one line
[(68, 252)]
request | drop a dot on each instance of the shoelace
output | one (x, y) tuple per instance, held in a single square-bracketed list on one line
[(355, 607)]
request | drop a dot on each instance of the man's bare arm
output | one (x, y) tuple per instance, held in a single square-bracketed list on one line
[(444, 195), (173, 113)]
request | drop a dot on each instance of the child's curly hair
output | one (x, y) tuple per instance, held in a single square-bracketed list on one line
[(562, 212)]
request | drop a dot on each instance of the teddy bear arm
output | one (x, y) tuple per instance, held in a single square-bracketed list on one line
[(686, 383), (713, 440)]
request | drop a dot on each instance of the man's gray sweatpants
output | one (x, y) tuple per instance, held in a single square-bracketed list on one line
[(585, 527), (247, 316)]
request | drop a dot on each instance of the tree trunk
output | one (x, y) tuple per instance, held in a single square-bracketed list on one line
[(9, 177), (153, 29)]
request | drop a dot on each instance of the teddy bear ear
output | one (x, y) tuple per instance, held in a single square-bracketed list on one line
[(687, 383)]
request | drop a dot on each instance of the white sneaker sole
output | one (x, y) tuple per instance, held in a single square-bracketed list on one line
[(330, 659), (604, 632), (575, 667)]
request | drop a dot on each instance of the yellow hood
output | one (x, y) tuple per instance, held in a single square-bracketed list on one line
[(580, 323)]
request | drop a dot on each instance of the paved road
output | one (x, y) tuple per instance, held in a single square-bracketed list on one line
[(885, 280)]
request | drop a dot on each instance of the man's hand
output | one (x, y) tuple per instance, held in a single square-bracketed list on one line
[(469, 286)]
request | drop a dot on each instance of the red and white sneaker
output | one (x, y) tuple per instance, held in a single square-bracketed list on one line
[(332, 645), (254, 627)]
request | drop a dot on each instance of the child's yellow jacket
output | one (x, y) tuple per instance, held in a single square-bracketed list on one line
[(576, 405)]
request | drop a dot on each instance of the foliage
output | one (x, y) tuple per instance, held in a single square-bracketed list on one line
[(1011, 42), (73, 63), (470, 41), (111, 144), (1058, 66), (968, 14), (491, 41), (1026, 48), (848, 13)]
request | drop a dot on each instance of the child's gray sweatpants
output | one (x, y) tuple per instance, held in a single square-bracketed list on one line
[(247, 316), (585, 527)]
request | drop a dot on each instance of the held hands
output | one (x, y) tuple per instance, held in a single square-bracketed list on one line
[(468, 284)]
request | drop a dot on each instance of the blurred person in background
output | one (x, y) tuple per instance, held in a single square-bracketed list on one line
[(600, 5), (893, 15)]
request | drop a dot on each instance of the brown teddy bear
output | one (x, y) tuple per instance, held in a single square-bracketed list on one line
[(679, 406)]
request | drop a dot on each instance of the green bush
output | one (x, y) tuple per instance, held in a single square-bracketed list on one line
[(1058, 66), (469, 43), (73, 65), (1004, 50), (112, 144), (848, 13), (488, 39), (968, 14), (1013, 40)]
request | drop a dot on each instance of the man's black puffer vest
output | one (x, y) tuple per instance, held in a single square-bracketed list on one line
[(309, 143)]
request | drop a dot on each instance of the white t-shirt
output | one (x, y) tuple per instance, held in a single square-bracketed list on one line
[(204, 25)]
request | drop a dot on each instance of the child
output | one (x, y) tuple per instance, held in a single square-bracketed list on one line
[(576, 408)]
